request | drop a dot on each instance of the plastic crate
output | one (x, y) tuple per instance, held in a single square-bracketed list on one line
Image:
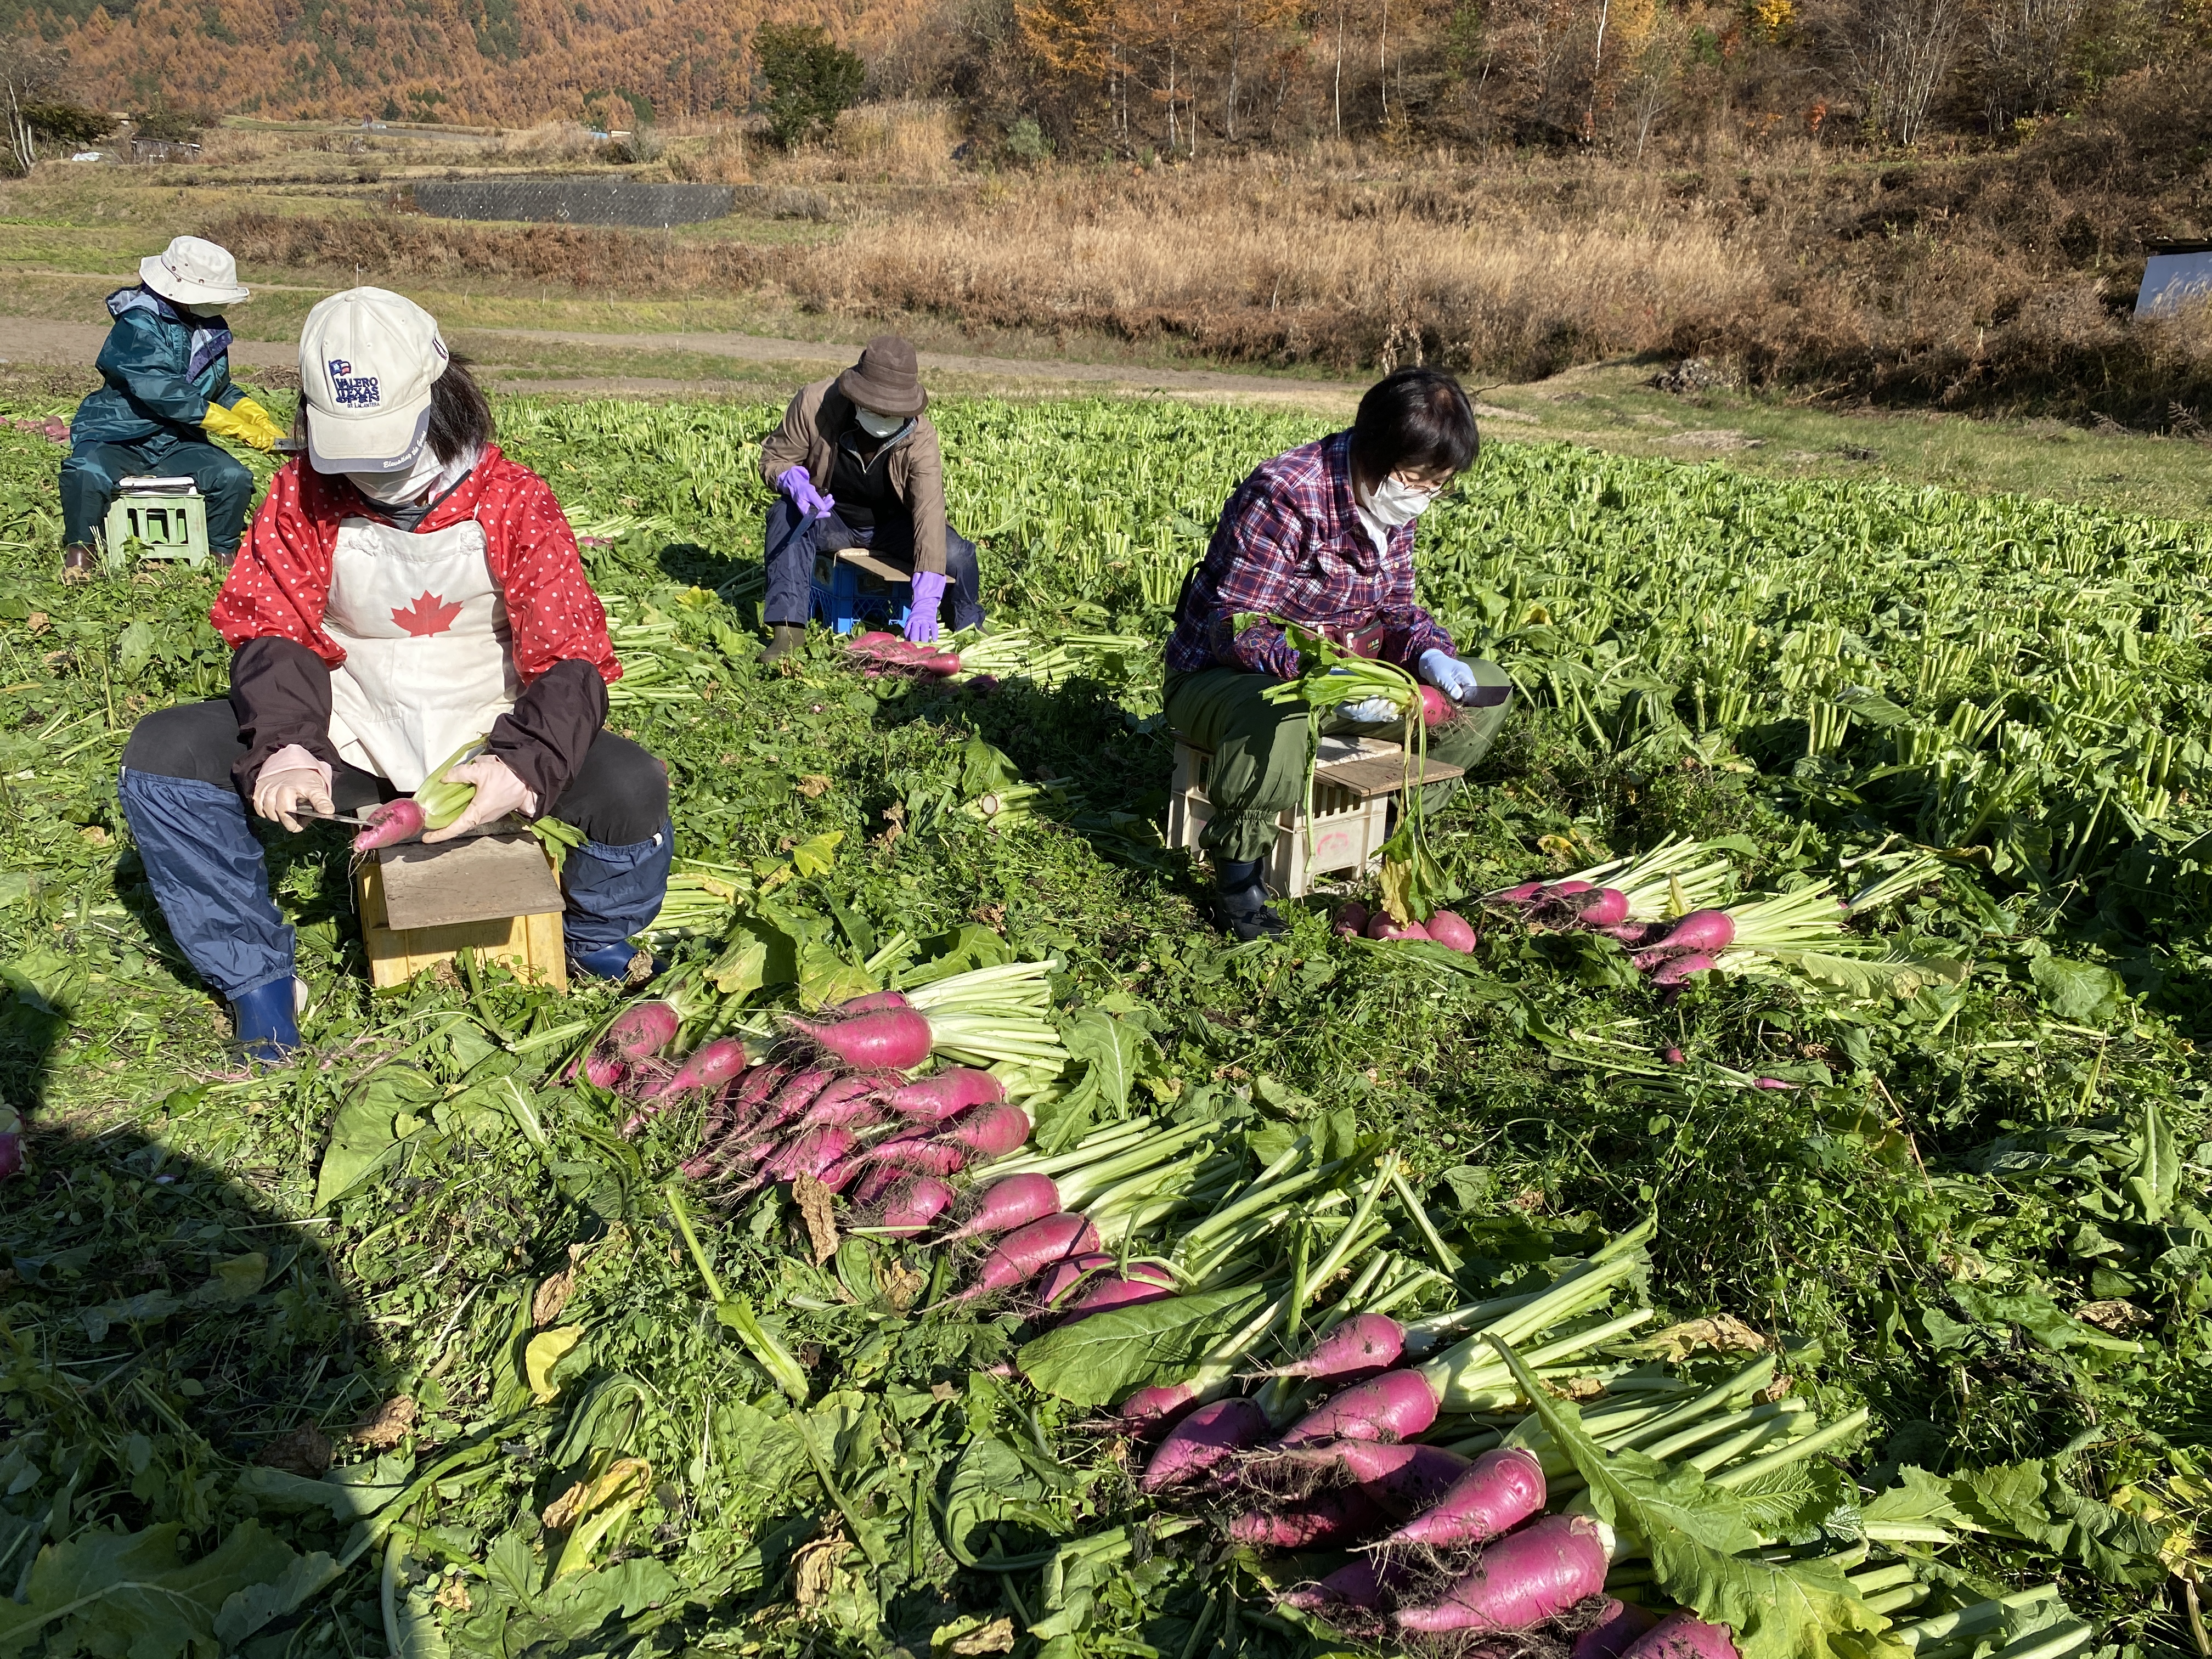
[(855, 585), (1344, 835), (166, 517)]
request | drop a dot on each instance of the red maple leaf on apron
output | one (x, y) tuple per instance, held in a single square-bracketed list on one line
[(429, 614)]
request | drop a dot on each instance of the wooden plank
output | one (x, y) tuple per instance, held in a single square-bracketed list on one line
[(1382, 775), (485, 879), (878, 566)]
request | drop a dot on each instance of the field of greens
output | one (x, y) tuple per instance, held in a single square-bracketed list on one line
[(1859, 1290)]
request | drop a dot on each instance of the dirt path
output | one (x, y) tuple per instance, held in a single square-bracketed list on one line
[(31, 340)]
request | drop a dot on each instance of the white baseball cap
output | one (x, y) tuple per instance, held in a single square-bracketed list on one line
[(193, 272), (368, 360)]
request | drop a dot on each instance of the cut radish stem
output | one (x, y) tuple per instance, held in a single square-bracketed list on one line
[(1520, 1580)]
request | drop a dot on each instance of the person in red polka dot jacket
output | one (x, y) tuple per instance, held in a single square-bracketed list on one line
[(405, 592)]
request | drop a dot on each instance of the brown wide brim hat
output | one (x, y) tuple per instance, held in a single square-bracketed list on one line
[(886, 380)]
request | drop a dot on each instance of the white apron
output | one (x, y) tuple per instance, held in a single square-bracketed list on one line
[(429, 660)]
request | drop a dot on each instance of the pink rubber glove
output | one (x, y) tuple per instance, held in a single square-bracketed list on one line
[(499, 792), (285, 784), (798, 483), (921, 619)]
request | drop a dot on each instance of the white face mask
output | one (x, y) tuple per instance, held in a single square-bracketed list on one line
[(1395, 502), (202, 311), (879, 426), (398, 489)]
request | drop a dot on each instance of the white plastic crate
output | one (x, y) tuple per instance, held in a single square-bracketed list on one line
[(1345, 835)]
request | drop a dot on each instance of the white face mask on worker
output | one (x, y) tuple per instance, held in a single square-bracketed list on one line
[(878, 426), (397, 489), (1393, 502)]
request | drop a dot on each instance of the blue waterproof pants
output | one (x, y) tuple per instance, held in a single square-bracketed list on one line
[(792, 542), (89, 476), (208, 873)]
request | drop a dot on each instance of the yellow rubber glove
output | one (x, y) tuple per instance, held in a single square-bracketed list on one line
[(246, 423)]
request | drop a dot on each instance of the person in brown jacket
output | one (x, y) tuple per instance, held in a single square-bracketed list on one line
[(856, 464)]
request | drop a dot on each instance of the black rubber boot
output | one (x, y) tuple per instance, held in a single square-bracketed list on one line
[(783, 639), (79, 563), (1240, 901)]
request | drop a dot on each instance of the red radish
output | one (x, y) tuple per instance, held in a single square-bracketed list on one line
[(988, 1131), (1401, 1478), (1524, 894), (1351, 919), (1679, 1636), (1555, 890), (1361, 1342), (874, 1003), (641, 1029), (952, 1090), (1147, 1412), (808, 1154), (1618, 1624), (1380, 925), (839, 1096), (1681, 969), (1772, 1082), (890, 1039), (914, 1205), (1520, 1580), (1205, 1440), (1673, 1056), (913, 1154), (1710, 932), (1633, 935), (1141, 1285), (1024, 1253), (1500, 1491), (1061, 1278), (1363, 1584), (1600, 907), (1329, 1517), (875, 637), (1436, 707), (944, 664), (854, 1111), (601, 1071), (1448, 928), (708, 1065), (877, 1183), (389, 825), (1395, 1405), (1012, 1202)]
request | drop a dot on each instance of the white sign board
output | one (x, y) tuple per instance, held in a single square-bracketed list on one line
[(2171, 280)]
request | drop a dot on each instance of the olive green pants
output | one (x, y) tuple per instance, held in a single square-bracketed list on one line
[(1259, 750)]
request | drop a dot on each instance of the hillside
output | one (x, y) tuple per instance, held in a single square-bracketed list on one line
[(509, 62)]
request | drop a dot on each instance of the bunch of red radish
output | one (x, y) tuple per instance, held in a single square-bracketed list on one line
[(52, 428), (1447, 1547), (1669, 952), (884, 653), (833, 1102), (1446, 928)]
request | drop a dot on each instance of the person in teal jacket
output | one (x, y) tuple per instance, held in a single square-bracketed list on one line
[(166, 366)]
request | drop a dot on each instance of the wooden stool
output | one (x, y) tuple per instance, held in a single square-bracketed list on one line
[(495, 894), (166, 517), (1355, 779)]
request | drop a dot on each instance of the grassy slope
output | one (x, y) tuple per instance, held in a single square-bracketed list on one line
[(1839, 1213)]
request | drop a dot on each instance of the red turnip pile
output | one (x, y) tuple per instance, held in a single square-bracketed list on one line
[(1445, 928), (879, 653)]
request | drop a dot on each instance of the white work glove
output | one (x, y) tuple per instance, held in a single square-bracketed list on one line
[(1448, 675), (499, 792), (1368, 711), (278, 792)]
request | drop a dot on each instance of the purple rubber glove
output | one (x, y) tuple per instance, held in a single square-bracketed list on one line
[(798, 483), (921, 620)]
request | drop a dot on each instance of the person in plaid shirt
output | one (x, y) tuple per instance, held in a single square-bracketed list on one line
[(1323, 536)]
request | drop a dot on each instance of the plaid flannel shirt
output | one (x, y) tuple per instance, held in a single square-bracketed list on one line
[(1289, 544)]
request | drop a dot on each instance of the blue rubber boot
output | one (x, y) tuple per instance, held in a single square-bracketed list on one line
[(612, 962), (267, 1021)]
